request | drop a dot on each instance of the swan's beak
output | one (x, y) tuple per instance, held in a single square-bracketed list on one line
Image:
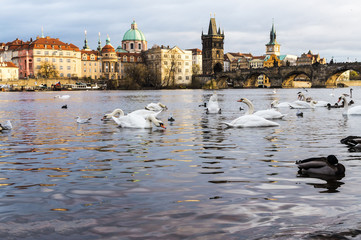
[(162, 125), (240, 100), (339, 99)]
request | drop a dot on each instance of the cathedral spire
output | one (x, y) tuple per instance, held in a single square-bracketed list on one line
[(273, 34), (42, 32)]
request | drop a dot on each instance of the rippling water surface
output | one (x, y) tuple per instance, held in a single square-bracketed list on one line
[(194, 180)]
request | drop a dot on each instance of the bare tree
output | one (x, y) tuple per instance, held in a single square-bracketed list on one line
[(47, 70)]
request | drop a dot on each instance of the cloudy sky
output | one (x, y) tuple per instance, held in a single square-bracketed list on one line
[(328, 27)]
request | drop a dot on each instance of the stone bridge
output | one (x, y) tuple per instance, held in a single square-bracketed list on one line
[(319, 75)]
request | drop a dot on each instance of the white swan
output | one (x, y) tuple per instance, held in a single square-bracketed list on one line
[(82, 120), (6, 126), (251, 120), (109, 116), (138, 121), (356, 110), (62, 96), (212, 106), (267, 114), (277, 104), (156, 107), (302, 104)]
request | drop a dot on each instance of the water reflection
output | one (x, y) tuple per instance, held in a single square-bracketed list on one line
[(98, 181)]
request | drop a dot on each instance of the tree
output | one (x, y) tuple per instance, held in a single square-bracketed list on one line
[(47, 70), (196, 69)]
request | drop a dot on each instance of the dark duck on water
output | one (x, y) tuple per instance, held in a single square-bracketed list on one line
[(321, 165)]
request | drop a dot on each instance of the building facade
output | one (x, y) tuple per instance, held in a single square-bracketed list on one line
[(173, 66), (134, 40), (8, 72), (212, 48)]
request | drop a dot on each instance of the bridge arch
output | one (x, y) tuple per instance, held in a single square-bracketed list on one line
[(334, 76), (290, 78), (252, 79)]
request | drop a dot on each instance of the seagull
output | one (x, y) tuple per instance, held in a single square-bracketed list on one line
[(82, 120)]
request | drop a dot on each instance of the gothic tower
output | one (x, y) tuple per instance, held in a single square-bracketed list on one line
[(273, 48), (212, 48)]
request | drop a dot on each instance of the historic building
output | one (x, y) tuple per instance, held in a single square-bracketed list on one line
[(196, 60), (110, 63), (309, 59), (212, 48), (173, 66), (273, 48), (91, 66), (8, 72), (134, 40)]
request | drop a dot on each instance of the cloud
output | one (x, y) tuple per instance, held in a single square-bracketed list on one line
[(327, 27)]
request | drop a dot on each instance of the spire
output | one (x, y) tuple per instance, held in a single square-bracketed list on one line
[(99, 44), (86, 47), (212, 29), (273, 34), (42, 32)]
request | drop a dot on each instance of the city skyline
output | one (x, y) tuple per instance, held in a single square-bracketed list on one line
[(324, 27)]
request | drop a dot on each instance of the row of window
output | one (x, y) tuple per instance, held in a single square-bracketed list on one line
[(125, 58), (179, 63), (54, 60), (131, 46), (54, 53)]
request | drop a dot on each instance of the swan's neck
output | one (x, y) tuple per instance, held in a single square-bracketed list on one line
[(120, 111), (250, 106)]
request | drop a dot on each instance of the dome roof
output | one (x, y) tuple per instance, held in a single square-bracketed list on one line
[(134, 34), (108, 48)]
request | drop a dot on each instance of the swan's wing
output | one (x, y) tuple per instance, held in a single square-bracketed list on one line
[(252, 121), (356, 110), (144, 113), (269, 114), (312, 163), (131, 121), (213, 107)]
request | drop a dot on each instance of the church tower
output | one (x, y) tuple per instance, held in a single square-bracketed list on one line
[(212, 48), (273, 48)]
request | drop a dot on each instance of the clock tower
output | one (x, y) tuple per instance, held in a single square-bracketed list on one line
[(273, 48)]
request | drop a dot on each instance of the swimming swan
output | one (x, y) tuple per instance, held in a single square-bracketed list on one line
[(267, 114), (109, 116), (321, 165), (82, 120), (302, 104), (138, 121), (356, 110), (251, 120), (156, 107), (213, 106), (6, 126)]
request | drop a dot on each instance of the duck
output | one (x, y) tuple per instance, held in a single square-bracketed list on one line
[(299, 113), (321, 166), (82, 120), (64, 106), (156, 107), (171, 119), (213, 106), (267, 114), (138, 121), (356, 110)]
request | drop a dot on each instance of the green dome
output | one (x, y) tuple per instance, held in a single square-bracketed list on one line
[(134, 34)]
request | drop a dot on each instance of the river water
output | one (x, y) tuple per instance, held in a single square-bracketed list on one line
[(196, 179)]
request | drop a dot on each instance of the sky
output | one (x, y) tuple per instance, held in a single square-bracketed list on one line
[(330, 28)]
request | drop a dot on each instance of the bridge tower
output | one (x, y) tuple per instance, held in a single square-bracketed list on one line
[(273, 48), (212, 48)]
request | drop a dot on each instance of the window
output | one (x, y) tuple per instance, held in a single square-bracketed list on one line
[(187, 63), (61, 67), (139, 46), (132, 59), (38, 59), (68, 60), (187, 77), (61, 53), (46, 59), (132, 46), (187, 57), (179, 70), (180, 78), (54, 59), (90, 64), (125, 46), (84, 64), (124, 58), (165, 63), (46, 53), (60, 60), (68, 67), (68, 53), (179, 63), (68, 75), (61, 74), (179, 56), (84, 70), (38, 52), (165, 55)]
